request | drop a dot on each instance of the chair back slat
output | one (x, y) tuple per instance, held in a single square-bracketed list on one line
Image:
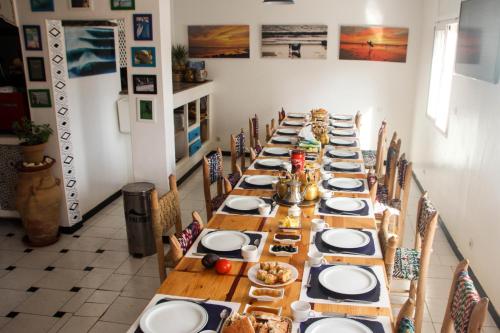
[(213, 171), (281, 115), (238, 151), (358, 120), (253, 126), (390, 167), (379, 159)]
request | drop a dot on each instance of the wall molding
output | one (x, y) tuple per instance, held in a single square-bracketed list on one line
[(491, 308)]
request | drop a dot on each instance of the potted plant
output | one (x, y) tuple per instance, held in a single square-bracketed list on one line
[(179, 59), (33, 139)]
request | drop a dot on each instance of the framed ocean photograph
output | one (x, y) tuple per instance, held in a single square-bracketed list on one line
[(294, 41), (42, 5), (36, 69), (81, 4), (40, 98), (122, 4), (143, 26), (146, 110), (219, 41), (32, 37), (90, 50), (143, 57), (144, 84), (373, 43)]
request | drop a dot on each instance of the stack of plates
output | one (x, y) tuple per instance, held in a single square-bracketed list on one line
[(177, 316)]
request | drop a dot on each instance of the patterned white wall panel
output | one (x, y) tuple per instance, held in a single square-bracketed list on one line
[(122, 43)]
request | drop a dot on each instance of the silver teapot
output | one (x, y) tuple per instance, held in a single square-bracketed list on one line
[(294, 195)]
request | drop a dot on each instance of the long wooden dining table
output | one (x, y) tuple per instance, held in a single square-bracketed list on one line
[(191, 279)]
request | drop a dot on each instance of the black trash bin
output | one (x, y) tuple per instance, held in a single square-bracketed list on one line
[(137, 205)]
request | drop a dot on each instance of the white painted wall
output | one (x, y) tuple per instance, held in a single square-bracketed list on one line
[(460, 169), (248, 86)]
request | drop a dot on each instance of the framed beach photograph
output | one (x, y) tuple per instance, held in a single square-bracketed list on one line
[(143, 57), (42, 5), (219, 41), (143, 26), (32, 37), (144, 84), (81, 4), (36, 69), (122, 4), (373, 43), (40, 98), (294, 41), (146, 110)]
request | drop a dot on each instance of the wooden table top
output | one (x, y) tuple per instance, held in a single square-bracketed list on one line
[(191, 279)]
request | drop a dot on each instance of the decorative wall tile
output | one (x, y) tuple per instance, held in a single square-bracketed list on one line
[(122, 43)]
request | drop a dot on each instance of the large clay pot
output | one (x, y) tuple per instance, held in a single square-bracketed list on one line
[(38, 199), (33, 154)]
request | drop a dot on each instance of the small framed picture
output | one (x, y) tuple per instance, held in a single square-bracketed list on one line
[(122, 4), (40, 98), (146, 110), (143, 57), (81, 4), (36, 69), (42, 5), (144, 84), (143, 27), (32, 37)]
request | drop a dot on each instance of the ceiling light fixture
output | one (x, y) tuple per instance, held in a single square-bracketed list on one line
[(279, 2)]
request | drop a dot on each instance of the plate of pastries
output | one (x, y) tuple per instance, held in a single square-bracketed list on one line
[(257, 323), (272, 274)]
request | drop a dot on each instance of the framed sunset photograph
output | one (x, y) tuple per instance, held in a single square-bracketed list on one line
[(219, 41), (373, 43)]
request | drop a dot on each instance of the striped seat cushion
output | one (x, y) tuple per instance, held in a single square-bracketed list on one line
[(464, 300), (406, 326), (187, 237), (218, 200), (406, 264), (369, 158), (234, 178), (383, 194)]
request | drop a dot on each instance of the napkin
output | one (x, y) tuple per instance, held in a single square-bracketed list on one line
[(334, 188), (368, 249), (213, 310), (230, 254), (316, 290), (324, 209), (374, 326)]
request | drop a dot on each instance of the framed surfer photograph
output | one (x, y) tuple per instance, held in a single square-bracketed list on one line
[(122, 4), (294, 41), (36, 69), (81, 4), (144, 84), (42, 5), (40, 98), (143, 27), (32, 38), (146, 110), (143, 57)]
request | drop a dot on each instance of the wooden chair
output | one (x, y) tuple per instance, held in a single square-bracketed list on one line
[(405, 322), (372, 182), (411, 264), (466, 310), (281, 115), (270, 128), (402, 193), (253, 127), (358, 120), (213, 172), (374, 159), (386, 188)]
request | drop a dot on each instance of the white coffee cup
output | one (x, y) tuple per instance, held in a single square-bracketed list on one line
[(327, 160), (249, 252), (318, 225), (315, 258), (326, 194), (301, 311), (264, 209), (326, 175)]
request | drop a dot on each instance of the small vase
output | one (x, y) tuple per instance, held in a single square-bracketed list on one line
[(34, 153)]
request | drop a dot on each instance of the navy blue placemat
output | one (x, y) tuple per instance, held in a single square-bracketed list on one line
[(281, 142), (332, 155), (368, 249), (213, 310), (316, 290), (374, 326), (330, 168), (324, 209), (230, 254), (228, 210), (334, 188), (248, 186), (354, 144)]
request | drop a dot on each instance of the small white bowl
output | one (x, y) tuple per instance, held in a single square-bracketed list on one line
[(262, 298), (250, 252), (264, 209)]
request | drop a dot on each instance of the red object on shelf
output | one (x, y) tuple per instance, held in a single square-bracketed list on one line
[(298, 160), (12, 108)]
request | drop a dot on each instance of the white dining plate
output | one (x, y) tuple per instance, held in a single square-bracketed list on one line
[(345, 238), (342, 153), (345, 183), (293, 123), (296, 115), (342, 132), (347, 166), (244, 203), (260, 180), (337, 325), (277, 151), (343, 125), (225, 240), (345, 204), (287, 131), (347, 280), (282, 139), (270, 162), (341, 117), (252, 276), (174, 316), (337, 141)]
